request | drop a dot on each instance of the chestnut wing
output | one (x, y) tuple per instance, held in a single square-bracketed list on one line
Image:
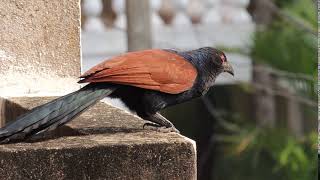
[(150, 69)]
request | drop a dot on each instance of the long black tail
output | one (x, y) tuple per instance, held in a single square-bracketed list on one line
[(55, 113)]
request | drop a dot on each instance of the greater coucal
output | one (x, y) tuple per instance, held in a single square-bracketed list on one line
[(146, 81)]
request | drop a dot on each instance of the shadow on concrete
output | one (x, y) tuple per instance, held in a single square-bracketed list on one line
[(66, 131)]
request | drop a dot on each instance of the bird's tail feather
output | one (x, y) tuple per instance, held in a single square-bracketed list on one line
[(55, 113)]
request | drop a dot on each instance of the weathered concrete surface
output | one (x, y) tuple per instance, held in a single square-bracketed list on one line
[(103, 143), (40, 46)]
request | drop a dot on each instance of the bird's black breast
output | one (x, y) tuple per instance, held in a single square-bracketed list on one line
[(143, 101)]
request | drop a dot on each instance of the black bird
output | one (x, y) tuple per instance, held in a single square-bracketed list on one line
[(146, 81)]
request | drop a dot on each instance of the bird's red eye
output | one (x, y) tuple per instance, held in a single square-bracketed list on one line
[(223, 58)]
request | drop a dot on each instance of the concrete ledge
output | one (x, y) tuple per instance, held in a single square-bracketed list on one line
[(103, 143)]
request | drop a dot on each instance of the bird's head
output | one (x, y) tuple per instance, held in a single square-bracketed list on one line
[(210, 63), (220, 60), (208, 57)]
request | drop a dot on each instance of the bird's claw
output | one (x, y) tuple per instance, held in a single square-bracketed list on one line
[(159, 128), (150, 125)]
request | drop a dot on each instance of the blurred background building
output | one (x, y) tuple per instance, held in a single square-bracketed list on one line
[(260, 124)]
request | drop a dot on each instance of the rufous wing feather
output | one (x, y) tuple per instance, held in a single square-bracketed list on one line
[(154, 69)]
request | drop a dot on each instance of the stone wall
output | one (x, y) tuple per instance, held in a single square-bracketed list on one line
[(40, 46)]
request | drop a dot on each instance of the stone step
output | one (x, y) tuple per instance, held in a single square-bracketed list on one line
[(102, 143)]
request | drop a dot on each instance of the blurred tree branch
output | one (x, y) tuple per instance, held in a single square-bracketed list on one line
[(260, 12)]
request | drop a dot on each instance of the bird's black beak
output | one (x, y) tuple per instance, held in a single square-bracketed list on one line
[(227, 68)]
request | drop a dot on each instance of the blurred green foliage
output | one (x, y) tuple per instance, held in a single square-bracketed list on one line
[(282, 3), (285, 46), (256, 153), (248, 152), (304, 9)]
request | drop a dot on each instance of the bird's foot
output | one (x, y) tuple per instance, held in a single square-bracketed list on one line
[(159, 128)]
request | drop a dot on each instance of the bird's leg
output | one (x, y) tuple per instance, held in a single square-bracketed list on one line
[(160, 123)]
